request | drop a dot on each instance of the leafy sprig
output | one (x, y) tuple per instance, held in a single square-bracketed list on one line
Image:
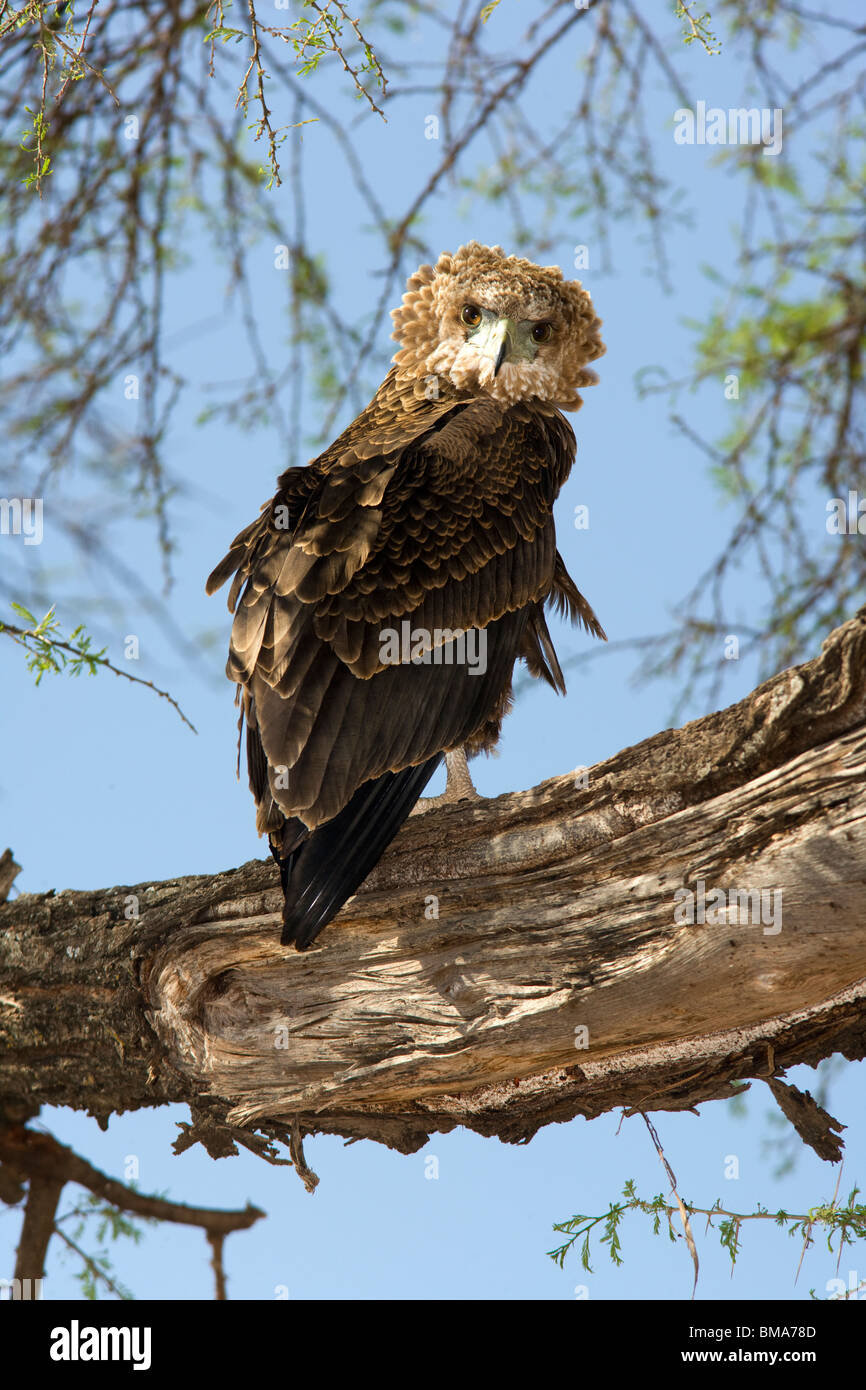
[(47, 651), (845, 1222), (698, 29), (96, 1268)]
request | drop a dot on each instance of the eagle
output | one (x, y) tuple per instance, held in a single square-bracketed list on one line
[(384, 594)]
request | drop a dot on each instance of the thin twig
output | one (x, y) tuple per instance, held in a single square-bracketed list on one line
[(20, 635)]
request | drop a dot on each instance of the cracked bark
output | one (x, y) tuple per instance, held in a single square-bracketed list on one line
[(556, 912)]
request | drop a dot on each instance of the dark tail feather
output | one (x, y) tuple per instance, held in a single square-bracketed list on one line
[(285, 866), (335, 858)]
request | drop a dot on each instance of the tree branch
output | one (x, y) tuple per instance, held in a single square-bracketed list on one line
[(49, 1166), (507, 964), (44, 1159), (43, 1194)]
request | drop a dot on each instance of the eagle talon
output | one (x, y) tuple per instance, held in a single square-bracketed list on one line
[(459, 786)]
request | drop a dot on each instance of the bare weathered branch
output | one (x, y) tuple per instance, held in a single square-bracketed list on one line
[(456, 986)]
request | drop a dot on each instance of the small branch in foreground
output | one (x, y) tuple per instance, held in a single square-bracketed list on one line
[(311, 39), (48, 652), (324, 34), (699, 28), (93, 1271), (848, 1221)]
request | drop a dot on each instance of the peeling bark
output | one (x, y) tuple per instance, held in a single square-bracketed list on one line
[(556, 913), (9, 871), (813, 1124)]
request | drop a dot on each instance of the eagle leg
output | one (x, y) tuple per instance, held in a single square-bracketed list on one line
[(459, 786)]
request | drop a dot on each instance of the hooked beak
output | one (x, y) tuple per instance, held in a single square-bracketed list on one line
[(499, 343)]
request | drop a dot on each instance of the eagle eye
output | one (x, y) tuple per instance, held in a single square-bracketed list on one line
[(542, 332), (471, 315)]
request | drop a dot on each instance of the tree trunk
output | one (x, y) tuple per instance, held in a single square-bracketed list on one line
[(507, 964)]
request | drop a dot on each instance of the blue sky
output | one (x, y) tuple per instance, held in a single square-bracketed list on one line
[(106, 786)]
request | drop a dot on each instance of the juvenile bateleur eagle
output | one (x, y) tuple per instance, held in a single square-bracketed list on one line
[(431, 513)]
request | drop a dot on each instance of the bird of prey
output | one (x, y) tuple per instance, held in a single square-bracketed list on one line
[(384, 594)]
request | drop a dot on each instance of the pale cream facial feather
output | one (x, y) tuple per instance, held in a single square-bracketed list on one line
[(434, 342)]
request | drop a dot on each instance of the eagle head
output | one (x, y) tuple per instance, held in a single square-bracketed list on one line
[(500, 325)]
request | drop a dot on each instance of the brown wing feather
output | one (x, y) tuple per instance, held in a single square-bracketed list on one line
[(566, 598)]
